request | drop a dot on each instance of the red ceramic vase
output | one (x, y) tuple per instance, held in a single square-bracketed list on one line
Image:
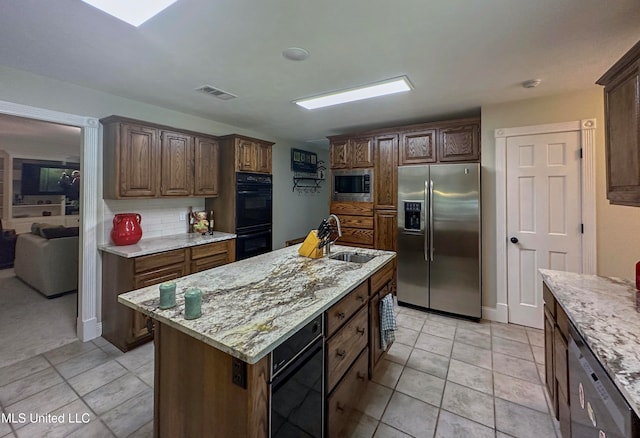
[(126, 228)]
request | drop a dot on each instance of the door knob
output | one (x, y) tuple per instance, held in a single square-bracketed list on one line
[(514, 240)]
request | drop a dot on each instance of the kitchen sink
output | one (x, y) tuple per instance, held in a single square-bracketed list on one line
[(353, 257)]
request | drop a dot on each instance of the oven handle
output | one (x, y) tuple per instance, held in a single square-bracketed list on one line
[(254, 192), (252, 235)]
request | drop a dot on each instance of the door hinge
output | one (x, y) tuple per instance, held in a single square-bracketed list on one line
[(581, 153), (582, 228)]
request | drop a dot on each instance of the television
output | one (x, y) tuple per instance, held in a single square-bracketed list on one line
[(44, 179)]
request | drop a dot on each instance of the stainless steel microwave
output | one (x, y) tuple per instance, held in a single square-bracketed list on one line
[(352, 185)]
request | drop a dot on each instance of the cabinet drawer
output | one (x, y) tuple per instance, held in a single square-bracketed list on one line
[(352, 208), (365, 222), (345, 397), (343, 309), (146, 263), (210, 249), (345, 346), (357, 235), (382, 277), (209, 262), (157, 276)]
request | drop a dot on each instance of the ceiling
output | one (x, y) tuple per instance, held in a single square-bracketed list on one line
[(458, 54)]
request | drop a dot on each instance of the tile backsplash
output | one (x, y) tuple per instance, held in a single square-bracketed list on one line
[(160, 217)]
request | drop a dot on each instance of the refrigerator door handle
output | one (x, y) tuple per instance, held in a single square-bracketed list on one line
[(431, 248), (423, 218)]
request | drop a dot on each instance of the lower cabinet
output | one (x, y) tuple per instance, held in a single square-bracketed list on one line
[(556, 352), (124, 327)]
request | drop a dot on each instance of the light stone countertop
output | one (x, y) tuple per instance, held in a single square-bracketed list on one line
[(604, 312), (252, 306), (165, 243)]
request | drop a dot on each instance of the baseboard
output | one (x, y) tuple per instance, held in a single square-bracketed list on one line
[(500, 313), (88, 330)]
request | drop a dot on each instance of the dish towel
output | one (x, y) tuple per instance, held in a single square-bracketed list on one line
[(387, 322)]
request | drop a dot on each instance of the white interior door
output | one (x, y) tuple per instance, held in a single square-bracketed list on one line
[(543, 217)]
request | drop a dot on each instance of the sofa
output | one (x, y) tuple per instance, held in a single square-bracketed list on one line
[(47, 259)]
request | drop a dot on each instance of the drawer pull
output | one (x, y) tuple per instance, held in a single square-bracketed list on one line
[(339, 408), (361, 331), (360, 298), (341, 353), (361, 376), (149, 325), (340, 315)]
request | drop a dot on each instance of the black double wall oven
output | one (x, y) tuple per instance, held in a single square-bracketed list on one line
[(253, 214)]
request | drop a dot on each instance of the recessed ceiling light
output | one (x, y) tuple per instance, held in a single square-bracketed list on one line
[(391, 86), (531, 83), (295, 54), (133, 12)]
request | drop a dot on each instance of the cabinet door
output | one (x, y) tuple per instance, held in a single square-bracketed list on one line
[(141, 326), (177, 164), (139, 161), (339, 152), (459, 143), (418, 147), (245, 155), (361, 152), (159, 275), (263, 160), (386, 172), (375, 348), (623, 137), (386, 229), (206, 162), (549, 369)]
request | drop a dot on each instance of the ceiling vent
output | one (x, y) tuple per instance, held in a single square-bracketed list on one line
[(216, 92)]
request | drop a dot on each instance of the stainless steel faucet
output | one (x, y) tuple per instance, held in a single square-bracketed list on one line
[(328, 246)]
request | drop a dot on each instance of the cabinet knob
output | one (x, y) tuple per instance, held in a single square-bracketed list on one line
[(341, 353), (360, 298), (340, 315), (360, 330), (361, 376), (339, 408)]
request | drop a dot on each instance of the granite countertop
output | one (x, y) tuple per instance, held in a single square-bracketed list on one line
[(165, 243), (252, 306), (604, 312)]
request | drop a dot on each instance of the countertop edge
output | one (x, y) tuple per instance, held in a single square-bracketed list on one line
[(548, 280), (383, 260), (171, 242)]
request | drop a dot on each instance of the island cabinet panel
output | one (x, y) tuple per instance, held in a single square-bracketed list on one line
[(145, 160), (197, 398), (418, 147), (382, 284), (386, 172), (343, 348), (345, 398), (622, 116)]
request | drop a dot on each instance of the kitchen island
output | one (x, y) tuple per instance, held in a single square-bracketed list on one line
[(603, 312), (212, 373)]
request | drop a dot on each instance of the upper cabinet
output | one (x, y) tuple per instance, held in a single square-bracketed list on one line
[(143, 160), (251, 154), (459, 142), (351, 152), (386, 172), (418, 147), (622, 113)]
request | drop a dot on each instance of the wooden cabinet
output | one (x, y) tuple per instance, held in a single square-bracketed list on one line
[(459, 143), (418, 147), (386, 172), (126, 328), (386, 230), (556, 345), (143, 160), (622, 113), (354, 152), (251, 154), (356, 220), (382, 284)]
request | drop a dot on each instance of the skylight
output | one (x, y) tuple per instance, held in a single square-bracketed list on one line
[(134, 12), (383, 88)]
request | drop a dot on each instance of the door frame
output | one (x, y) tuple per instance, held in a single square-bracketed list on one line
[(587, 128), (87, 325)]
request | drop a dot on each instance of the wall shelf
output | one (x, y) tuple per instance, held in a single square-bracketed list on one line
[(312, 183)]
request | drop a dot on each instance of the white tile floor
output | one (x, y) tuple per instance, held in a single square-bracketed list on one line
[(443, 377)]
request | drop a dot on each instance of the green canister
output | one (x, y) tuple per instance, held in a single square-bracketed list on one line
[(192, 303)]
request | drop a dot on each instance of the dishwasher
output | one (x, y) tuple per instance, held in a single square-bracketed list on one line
[(297, 383), (598, 409)]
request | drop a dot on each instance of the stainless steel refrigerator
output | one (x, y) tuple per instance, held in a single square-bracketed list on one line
[(439, 238)]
